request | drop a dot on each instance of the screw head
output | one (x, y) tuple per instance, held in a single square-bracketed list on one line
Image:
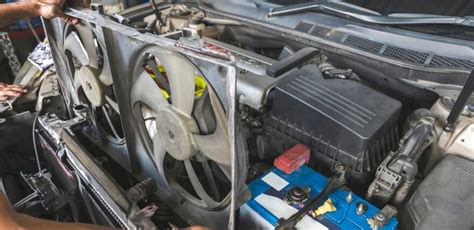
[(380, 217)]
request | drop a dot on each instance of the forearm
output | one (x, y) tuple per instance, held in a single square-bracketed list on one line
[(10, 12), (28, 222)]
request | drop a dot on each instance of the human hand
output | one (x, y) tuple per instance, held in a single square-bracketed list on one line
[(54, 8), (50, 8), (79, 3), (7, 91)]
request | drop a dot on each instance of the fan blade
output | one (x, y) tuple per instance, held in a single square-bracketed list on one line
[(227, 170), (77, 82), (147, 91), (159, 76), (113, 104), (181, 77), (88, 41), (214, 147), (91, 48), (211, 181), (73, 43), (159, 155), (198, 188), (111, 124), (218, 112), (106, 75)]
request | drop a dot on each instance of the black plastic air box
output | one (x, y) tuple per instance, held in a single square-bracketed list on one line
[(342, 120)]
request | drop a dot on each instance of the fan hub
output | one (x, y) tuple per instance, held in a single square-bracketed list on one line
[(175, 132), (93, 88)]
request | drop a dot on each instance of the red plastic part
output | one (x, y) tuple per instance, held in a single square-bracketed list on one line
[(293, 158)]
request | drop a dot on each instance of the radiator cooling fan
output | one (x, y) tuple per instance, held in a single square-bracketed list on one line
[(92, 80), (183, 123)]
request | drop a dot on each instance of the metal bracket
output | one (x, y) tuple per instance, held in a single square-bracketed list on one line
[(96, 7), (141, 219), (52, 199), (49, 88), (53, 125)]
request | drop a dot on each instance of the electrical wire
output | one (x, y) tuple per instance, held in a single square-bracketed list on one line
[(157, 13), (28, 21), (25, 200), (33, 132)]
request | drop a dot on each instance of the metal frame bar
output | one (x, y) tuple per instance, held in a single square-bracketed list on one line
[(122, 45)]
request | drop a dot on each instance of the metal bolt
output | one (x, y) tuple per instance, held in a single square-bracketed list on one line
[(361, 208), (250, 61), (349, 197), (340, 168), (380, 217)]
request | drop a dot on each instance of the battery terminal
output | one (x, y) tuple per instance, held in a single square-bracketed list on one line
[(326, 207)]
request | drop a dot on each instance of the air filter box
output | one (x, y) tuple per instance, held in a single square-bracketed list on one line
[(342, 121)]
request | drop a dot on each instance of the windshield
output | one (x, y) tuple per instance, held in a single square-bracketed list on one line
[(385, 7)]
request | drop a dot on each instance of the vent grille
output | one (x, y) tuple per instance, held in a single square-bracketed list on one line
[(405, 54), (441, 61), (327, 33), (304, 27), (393, 52), (335, 35), (320, 31), (363, 44)]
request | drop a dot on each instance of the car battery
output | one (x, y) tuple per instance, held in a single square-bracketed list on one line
[(271, 201)]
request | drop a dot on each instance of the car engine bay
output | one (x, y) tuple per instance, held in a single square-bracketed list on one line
[(172, 115)]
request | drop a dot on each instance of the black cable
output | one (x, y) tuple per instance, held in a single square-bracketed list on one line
[(332, 184), (157, 13), (33, 132), (458, 107), (33, 31)]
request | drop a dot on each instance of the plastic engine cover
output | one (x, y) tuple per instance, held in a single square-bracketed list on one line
[(342, 121), (268, 203)]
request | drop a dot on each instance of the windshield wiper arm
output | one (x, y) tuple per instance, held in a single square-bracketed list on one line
[(347, 10)]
